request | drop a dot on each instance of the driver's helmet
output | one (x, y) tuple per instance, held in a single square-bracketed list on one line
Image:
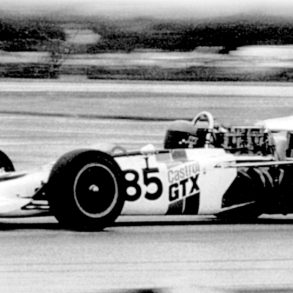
[(183, 134)]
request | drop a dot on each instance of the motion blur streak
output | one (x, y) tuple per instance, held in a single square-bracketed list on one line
[(156, 8)]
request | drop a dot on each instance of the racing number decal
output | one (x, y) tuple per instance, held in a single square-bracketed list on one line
[(132, 184), (133, 189), (149, 179)]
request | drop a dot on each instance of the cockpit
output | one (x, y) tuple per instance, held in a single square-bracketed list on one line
[(203, 132)]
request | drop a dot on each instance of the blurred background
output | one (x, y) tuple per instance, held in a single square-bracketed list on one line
[(203, 40)]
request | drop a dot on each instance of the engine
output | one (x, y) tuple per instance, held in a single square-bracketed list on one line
[(248, 140)]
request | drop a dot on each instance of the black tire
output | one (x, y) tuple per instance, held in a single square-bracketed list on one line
[(245, 214), (5, 163), (246, 188), (85, 190)]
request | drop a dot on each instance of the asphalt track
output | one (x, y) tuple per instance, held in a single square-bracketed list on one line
[(192, 254)]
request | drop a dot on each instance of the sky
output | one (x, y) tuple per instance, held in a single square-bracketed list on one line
[(145, 8)]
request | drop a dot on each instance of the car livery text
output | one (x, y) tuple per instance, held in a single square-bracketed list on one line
[(183, 181)]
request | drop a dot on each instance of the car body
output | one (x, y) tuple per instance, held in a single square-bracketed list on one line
[(235, 173)]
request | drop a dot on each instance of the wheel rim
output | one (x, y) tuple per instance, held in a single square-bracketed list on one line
[(95, 190)]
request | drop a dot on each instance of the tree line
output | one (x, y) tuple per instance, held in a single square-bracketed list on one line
[(121, 35), (28, 34), (187, 36)]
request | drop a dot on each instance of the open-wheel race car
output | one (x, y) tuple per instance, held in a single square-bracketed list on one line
[(234, 173)]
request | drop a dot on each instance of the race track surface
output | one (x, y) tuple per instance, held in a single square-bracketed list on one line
[(194, 255), (191, 254)]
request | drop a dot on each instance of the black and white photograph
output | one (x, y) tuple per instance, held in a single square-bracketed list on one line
[(146, 146)]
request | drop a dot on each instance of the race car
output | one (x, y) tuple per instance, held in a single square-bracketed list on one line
[(204, 168)]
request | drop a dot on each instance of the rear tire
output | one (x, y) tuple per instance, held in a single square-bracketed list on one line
[(247, 188), (85, 190)]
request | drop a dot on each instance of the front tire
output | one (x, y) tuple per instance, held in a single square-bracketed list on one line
[(85, 190)]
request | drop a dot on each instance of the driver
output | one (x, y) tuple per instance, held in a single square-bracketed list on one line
[(201, 132)]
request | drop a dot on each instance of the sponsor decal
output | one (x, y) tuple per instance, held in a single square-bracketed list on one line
[(184, 187), (182, 172), (184, 190)]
